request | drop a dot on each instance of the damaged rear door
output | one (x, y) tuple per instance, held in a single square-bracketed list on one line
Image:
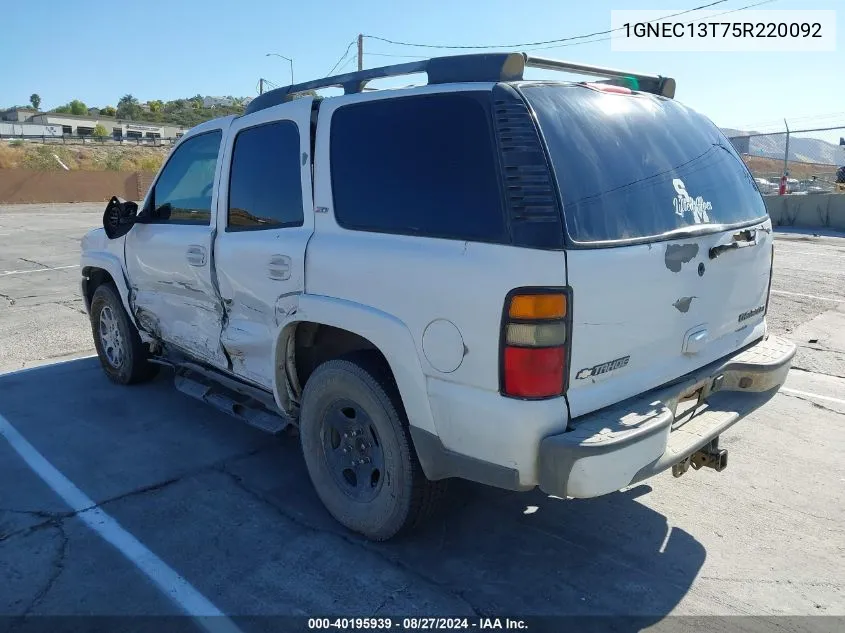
[(670, 244), (265, 218), (169, 259)]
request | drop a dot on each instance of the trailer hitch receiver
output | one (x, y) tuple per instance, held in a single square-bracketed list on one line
[(710, 456)]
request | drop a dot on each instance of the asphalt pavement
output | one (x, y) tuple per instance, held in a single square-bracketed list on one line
[(166, 502)]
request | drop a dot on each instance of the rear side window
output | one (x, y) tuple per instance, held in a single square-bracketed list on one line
[(422, 165), (265, 186), (637, 166)]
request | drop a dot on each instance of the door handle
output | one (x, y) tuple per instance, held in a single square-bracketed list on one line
[(196, 255), (279, 267), (743, 239)]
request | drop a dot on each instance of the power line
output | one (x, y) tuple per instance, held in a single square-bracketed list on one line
[(346, 63), (348, 48), (389, 55), (612, 37), (563, 39)]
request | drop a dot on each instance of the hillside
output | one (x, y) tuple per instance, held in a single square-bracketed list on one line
[(773, 167), (802, 149), (83, 158)]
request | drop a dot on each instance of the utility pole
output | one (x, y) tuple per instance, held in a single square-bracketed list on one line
[(360, 52), (261, 86)]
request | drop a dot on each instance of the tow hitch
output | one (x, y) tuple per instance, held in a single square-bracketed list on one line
[(711, 456)]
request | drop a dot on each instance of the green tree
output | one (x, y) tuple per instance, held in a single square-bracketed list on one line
[(77, 107), (128, 107), (35, 100), (108, 111), (65, 109), (156, 105), (100, 130)]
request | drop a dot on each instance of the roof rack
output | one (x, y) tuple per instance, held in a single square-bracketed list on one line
[(467, 68)]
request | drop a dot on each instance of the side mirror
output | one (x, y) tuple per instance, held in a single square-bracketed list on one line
[(120, 215)]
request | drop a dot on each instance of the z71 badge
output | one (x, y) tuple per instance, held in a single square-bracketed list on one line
[(604, 368)]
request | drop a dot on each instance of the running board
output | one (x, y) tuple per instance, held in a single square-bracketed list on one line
[(244, 402)]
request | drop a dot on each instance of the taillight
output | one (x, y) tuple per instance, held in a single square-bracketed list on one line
[(535, 337)]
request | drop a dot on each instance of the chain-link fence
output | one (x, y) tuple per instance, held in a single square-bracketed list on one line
[(68, 139), (811, 163)]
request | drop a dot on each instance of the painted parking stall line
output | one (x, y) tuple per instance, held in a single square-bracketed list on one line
[(807, 394), (175, 587), (36, 270), (798, 294)]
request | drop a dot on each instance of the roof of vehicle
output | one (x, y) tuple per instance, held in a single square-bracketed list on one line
[(212, 124), (482, 67)]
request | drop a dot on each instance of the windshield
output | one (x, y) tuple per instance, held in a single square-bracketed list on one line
[(638, 166)]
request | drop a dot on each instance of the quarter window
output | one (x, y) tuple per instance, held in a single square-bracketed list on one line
[(423, 165)]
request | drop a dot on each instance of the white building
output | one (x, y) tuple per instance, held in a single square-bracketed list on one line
[(211, 102)]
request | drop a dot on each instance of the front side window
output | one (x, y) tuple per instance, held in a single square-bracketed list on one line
[(182, 194), (265, 183), (422, 165)]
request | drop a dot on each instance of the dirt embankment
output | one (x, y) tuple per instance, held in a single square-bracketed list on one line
[(801, 171), (51, 157), (39, 173)]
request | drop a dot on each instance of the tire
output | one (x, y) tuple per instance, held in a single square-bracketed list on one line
[(122, 354), (360, 393)]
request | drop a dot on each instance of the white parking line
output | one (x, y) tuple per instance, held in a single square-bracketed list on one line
[(786, 250), (174, 586), (35, 270), (28, 213), (798, 294), (807, 394)]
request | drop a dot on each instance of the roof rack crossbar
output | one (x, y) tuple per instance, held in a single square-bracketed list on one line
[(491, 67)]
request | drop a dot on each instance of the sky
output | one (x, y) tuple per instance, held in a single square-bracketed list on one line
[(153, 49)]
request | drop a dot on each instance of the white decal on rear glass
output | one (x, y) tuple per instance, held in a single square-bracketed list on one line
[(684, 203)]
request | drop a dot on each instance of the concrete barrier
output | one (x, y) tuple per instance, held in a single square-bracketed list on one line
[(813, 211), (31, 186)]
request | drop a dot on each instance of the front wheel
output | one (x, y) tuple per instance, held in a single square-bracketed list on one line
[(358, 450), (122, 354)]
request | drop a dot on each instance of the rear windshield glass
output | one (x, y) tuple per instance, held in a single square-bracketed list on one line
[(636, 166)]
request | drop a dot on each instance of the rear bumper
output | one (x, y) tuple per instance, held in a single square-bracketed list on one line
[(638, 438)]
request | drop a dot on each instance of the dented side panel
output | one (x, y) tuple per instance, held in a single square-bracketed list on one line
[(172, 287), (172, 300), (261, 271)]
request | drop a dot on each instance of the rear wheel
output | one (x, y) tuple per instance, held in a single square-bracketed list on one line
[(358, 450), (122, 354)]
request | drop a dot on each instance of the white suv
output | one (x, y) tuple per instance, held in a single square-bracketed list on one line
[(520, 283)]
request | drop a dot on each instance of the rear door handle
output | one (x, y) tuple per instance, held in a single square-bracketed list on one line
[(196, 255), (279, 267), (743, 239)]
